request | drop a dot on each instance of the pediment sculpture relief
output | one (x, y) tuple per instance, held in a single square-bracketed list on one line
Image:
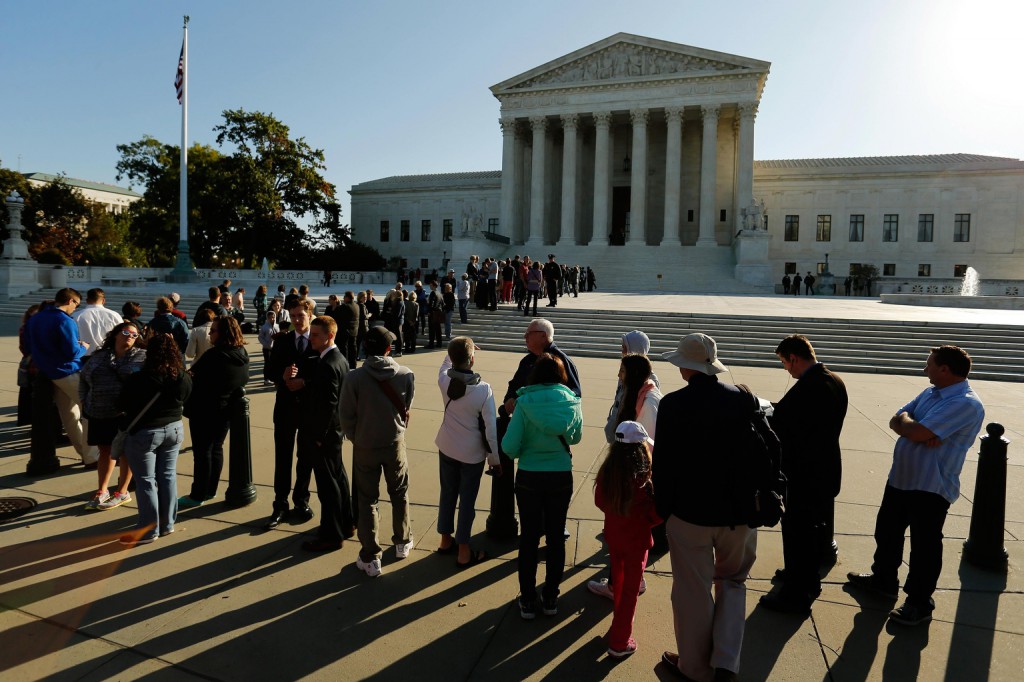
[(625, 60)]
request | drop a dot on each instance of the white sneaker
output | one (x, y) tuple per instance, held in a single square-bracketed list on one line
[(115, 500), (371, 568), (402, 549), (601, 588), (99, 499)]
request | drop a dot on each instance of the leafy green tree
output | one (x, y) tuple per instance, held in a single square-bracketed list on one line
[(56, 219)]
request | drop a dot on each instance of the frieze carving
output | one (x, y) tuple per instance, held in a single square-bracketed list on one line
[(625, 60)]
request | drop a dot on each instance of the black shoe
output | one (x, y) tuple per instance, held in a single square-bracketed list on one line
[(549, 605), (872, 583), (784, 603), (275, 519), (911, 613), (303, 513)]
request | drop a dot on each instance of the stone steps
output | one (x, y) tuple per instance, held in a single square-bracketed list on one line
[(845, 345)]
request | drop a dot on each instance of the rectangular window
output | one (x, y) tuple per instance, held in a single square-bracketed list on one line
[(689, 216), (446, 230), (404, 226), (721, 216), (925, 227), (385, 230), (891, 227), (424, 263), (824, 231), (792, 228), (889, 269), (790, 268), (424, 230), (857, 227), (960, 270), (821, 268), (962, 227), (492, 225), (924, 270)]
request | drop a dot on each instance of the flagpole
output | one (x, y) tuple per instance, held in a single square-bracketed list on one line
[(183, 270)]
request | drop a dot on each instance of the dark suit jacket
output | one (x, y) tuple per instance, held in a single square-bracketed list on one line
[(347, 317), (283, 354), (808, 420), (321, 401)]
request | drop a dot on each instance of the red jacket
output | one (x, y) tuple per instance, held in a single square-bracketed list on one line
[(632, 532)]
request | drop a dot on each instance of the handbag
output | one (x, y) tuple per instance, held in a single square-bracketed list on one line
[(117, 445), (24, 376)]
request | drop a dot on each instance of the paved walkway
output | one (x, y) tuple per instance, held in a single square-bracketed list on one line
[(224, 600)]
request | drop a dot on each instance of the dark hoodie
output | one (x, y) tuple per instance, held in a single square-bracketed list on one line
[(218, 379)]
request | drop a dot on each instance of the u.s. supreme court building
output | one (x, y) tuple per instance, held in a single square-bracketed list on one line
[(636, 156)]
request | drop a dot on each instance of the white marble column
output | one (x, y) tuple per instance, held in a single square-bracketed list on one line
[(538, 124), (509, 177), (708, 174), (673, 175), (745, 160), (570, 126), (638, 179), (602, 153)]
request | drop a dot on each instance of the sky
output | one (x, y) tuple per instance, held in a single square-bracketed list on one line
[(398, 87)]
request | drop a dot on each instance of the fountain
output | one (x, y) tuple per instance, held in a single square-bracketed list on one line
[(971, 284)]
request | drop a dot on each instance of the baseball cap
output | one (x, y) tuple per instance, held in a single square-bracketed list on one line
[(632, 432), (697, 352), (378, 340)]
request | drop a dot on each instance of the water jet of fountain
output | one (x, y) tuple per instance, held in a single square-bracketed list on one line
[(971, 283)]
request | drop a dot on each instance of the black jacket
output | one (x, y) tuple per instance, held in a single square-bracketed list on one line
[(139, 390), (218, 380), (321, 400), (282, 355), (347, 317), (808, 421), (702, 471)]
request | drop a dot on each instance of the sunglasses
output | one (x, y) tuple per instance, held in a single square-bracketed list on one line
[(129, 334)]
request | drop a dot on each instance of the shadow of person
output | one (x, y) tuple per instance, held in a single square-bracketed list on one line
[(766, 635), (858, 651), (903, 655)]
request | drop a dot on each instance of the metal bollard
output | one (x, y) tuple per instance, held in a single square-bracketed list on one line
[(241, 491), (984, 546), (501, 522)]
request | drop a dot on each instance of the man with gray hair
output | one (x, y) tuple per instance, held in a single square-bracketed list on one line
[(706, 494)]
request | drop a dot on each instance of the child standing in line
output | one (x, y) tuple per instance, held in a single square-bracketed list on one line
[(266, 337), (624, 493)]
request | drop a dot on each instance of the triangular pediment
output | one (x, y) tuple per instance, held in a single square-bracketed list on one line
[(624, 57)]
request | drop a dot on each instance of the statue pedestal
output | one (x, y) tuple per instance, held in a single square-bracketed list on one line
[(18, 277), (751, 251)]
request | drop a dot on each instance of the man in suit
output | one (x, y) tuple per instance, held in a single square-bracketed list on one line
[(290, 351), (552, 276), (320, 436), (346, 314), (808, 420)]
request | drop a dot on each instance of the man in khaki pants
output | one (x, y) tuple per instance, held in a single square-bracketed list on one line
[(53, 341), (706, 500)]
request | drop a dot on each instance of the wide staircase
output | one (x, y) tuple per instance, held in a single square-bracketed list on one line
[(845, 345)]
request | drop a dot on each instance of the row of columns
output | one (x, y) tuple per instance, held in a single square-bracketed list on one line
[(639, 118)]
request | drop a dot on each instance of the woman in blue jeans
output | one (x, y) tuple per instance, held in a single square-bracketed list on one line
[(152, 400), (546, 421)]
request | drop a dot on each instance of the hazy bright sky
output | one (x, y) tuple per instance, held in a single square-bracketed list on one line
[(401, 87)]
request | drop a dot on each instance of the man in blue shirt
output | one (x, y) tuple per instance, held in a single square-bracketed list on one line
[(936, 430)]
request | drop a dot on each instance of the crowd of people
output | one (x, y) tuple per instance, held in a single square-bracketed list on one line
[(680, 469)]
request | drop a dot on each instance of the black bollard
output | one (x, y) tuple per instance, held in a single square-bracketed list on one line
[(984, 546), (241, 491), (43, 433), (501, 522)]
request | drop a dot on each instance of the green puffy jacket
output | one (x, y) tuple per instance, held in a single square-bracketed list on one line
[(543, 413)]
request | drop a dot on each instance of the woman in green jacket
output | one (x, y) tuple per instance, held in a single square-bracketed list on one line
[(546, 421)]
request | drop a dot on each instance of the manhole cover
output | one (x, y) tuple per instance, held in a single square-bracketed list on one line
[(13, 507)]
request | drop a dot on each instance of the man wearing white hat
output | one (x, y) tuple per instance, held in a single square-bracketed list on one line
[(700, 458)]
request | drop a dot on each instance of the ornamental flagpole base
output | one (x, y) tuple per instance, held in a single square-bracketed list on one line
[(183, 271)]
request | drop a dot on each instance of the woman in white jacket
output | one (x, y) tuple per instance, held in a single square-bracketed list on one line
[(641, 395), (467, 438)]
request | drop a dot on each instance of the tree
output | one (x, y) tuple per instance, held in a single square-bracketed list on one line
[(56, 220)]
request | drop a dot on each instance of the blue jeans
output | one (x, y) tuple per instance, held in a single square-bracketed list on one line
[(153, 457), (448, 324), (543, 498), (459, 482)]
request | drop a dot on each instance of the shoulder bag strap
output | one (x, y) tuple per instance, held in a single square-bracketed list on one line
[(399, 404)]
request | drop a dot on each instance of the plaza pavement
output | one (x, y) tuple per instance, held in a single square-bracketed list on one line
[(224, 600)]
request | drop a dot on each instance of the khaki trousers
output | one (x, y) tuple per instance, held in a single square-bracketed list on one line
[(70, 409), (709, 628), (367, 466)]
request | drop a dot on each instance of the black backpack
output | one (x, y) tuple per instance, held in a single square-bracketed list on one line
[(765, 460)]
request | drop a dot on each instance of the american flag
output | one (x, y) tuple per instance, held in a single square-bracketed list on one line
[(179, 78)]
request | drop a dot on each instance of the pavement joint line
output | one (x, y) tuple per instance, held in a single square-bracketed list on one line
[(822, 646)]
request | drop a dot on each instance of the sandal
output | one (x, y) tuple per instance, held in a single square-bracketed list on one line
[(476, 556)]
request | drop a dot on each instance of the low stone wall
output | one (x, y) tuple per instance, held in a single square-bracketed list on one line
[(954, 301), (244, 277)]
